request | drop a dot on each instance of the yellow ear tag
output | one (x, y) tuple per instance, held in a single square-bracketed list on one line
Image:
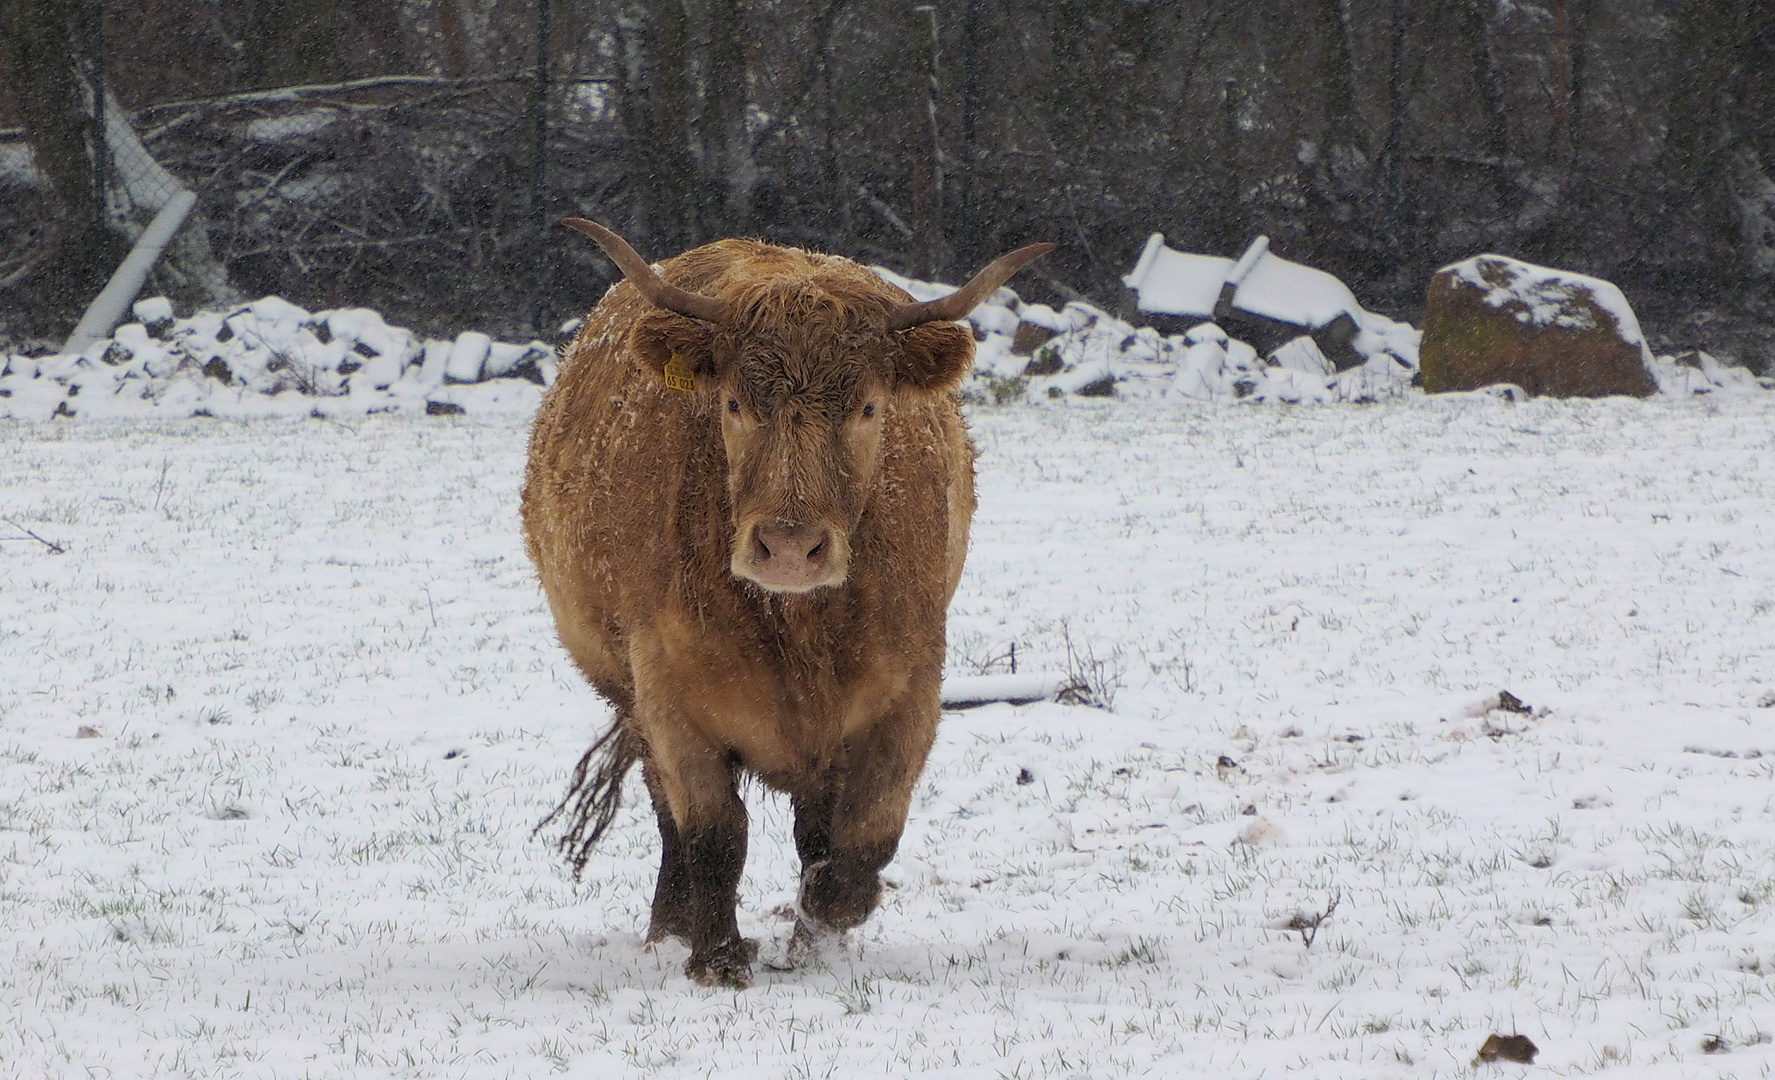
[(679, 376)]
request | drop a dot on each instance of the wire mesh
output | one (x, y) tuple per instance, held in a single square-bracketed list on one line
[(136, 185)]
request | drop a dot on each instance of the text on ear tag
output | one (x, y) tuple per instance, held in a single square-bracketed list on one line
[(679, 376)]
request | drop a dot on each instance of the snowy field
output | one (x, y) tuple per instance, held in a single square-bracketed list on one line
[(276, 725)]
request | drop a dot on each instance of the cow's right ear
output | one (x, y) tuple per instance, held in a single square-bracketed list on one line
[(659, 337)]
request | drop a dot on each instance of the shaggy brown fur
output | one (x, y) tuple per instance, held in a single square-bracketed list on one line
[(644, 508)]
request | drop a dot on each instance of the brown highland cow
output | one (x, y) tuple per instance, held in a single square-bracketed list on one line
[(748, 500)]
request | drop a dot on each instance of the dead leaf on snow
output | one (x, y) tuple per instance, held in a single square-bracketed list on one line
[(1509, 1048), (1508, 702)]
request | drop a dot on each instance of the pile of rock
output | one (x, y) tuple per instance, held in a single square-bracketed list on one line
[(1489, 322), (1032, 351), (270, 358)]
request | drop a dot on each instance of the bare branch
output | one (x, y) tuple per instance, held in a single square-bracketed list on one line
[(54, 548), (1308, 925), (292, 93)]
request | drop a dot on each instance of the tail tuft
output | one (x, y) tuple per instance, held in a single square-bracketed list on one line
[(593, 795)]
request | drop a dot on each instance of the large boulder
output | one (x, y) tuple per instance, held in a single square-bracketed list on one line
[(1496, 320)]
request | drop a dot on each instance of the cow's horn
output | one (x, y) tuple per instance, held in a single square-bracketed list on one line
[(965, 299), (661, 292)]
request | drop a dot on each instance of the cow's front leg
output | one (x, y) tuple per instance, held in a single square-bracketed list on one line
[(813, 808), (863, 816), (700, 875)]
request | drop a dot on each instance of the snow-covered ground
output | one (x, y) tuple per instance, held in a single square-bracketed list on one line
[(276, 723)]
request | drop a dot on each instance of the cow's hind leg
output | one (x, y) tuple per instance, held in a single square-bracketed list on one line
[(843, 848), (671, 894), (703, 830)]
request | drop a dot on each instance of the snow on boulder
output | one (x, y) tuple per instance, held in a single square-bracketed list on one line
[(1093, 378), (1383, 374), (1302, 354), (436, 359), (1198, 375), (265, 358), (155, 313), (365, 337), (467, 356), (1696, 372), (1216, 367), (1293, 386), (989, 319), (378, 373), (993, 358), (1493, 319), (1044, 316), (507, 361)]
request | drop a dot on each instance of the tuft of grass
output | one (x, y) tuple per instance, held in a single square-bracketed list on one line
[(1149, 952), (1091, 680)]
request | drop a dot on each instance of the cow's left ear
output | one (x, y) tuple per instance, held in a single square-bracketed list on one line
[(934, 355), (659, 336)]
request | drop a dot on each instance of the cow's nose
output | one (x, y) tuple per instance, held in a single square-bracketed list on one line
[(790, 548), (790, 556)]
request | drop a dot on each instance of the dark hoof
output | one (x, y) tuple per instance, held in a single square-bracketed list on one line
[(806, 941), (839, 894), (727, 964)]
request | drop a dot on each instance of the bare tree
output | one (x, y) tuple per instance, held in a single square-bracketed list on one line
[(46, 53), (1720, 151), (1376, 138)]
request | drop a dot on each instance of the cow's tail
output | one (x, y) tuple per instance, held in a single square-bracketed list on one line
[(592, 797)]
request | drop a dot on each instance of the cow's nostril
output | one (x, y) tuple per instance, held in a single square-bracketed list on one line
[(787, 556), (786, 544)]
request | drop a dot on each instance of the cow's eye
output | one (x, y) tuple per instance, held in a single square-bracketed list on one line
[(733, 405), (869, 410)]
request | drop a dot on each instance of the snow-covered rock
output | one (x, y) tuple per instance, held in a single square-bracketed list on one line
[(1302, 354), (273, 358), (467, 357), (1493, 319), (265, 358), (1697, 372), (154, 312), (1091, 346)]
